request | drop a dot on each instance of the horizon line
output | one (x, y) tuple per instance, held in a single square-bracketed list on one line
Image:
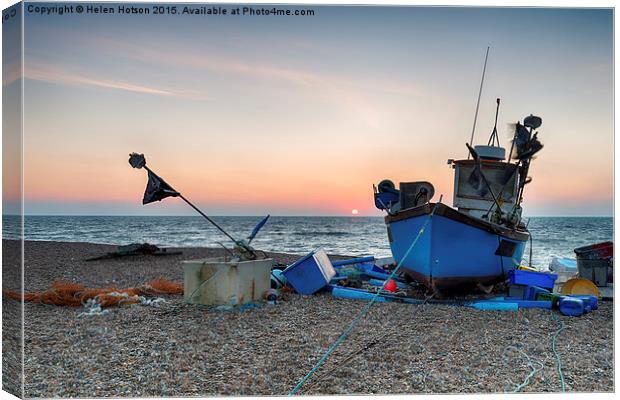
[(263, 215)]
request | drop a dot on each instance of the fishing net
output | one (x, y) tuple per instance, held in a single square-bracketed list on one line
[(76, 295), (165, 286)]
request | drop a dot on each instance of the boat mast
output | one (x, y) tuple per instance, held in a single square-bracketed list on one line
[(473, 129)]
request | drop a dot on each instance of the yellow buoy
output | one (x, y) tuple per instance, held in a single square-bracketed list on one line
[(526, 268), (580, 286)]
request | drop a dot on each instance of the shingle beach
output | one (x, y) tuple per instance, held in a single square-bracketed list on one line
[(178, 349)]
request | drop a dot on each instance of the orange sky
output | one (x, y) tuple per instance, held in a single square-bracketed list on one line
[(302, 117)]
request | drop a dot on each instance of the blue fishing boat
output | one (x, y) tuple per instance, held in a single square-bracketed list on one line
[(481, 238)]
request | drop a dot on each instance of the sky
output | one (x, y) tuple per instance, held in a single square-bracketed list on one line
[(249, 115)]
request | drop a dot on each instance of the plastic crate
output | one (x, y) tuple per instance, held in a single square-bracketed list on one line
[(516, 291), (598, 271), (529, 278), (595, 262), (531, 292), (595, 251), (553, 297), (310, 273)]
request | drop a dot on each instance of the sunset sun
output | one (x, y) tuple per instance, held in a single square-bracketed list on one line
[(354, 211)]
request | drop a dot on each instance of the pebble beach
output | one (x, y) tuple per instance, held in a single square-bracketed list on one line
[(178, 349)]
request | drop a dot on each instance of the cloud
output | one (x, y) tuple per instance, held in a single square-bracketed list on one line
[(254, 69), (54, 75), (361, 98)]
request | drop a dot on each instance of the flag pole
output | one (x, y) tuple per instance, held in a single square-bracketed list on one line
[(209, 219), (138, 161), (198, 210)]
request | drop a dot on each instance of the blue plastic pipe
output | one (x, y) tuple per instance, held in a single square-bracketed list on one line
[(350, 261), (494, 306), (497, 304), (381, 275), (360, 294), (530, 303), (346, 293)]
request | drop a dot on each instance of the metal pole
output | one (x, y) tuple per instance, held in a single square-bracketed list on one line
[(199, 212), (531, 242), (494, 134), (473, 129), (488, 185), (209, 219)]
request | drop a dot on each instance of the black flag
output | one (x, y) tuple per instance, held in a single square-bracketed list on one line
[(157, 190), (525, 144)]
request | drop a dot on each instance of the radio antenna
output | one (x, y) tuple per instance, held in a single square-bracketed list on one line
[(484, 69)]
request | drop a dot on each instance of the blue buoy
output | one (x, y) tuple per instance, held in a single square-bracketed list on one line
[(277, 279)]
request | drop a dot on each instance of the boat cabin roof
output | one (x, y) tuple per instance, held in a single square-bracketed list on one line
[(486, 163)]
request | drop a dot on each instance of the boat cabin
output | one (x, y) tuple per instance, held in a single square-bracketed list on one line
[(472, 195)]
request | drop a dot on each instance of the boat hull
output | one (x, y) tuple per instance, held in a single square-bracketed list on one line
[(455, 252)]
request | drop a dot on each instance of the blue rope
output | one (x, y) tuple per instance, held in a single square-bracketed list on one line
[(557, 356), (365, 310), (530, 364)]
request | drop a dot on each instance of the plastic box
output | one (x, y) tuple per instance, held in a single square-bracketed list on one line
[(531, 292), (597, 271), (553, 297), (517, 291), (529, 278), (595, 262), (310, 273), (595, 251)]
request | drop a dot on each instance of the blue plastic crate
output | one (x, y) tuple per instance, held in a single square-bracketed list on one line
[(310, 273), (516, 291), (530, 278), (531, 292)]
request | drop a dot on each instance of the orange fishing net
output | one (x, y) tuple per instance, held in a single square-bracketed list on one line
[(75, 295), (166, 286)]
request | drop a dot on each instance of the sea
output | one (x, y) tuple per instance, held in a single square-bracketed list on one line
[(352, 236)]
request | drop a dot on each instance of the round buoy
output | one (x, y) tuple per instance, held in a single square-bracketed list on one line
[(390, 286), (277, 279), (271, 295), (580, 286)]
